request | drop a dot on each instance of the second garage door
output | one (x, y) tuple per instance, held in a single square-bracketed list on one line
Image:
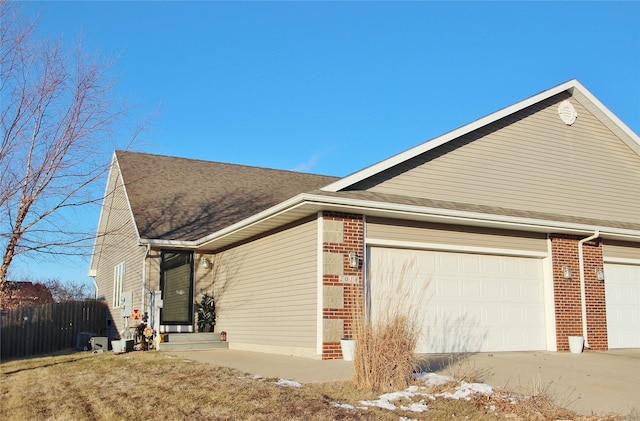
[(622, 288), (463, 302)]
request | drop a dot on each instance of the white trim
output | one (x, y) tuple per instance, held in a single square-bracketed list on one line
[(465, 217), (621, 260), (320, 286), (126, 195), (93, 271), (549, 300), (315, 203), (474, 125), (373, 242)]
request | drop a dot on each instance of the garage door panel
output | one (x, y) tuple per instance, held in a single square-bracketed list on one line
[(471, 289), (492, 288), (622, 290), (512, 268), (469, 263), (473, 302), (511, 291)]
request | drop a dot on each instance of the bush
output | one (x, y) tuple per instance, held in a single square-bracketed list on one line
[(384, 358), (206, 313)]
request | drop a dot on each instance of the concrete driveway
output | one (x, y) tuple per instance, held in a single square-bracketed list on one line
[(591, 382)]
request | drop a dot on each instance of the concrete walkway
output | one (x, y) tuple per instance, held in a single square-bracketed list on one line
[(591, 382), (303, 370)]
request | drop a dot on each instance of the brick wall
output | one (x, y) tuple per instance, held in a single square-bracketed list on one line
[(344, 233), (568, 304)]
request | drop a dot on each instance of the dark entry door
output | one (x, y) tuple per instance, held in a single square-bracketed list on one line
[(176, 279)]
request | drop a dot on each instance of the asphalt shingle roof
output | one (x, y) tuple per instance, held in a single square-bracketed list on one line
[(186, 199)]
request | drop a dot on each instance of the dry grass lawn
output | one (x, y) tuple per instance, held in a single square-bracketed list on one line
[(153, 385)]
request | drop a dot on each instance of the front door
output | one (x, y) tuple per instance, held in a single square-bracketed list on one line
[(176, 282)]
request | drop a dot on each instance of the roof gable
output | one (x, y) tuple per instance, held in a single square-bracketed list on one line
[(572, 88), (186, 199), (528, 160)]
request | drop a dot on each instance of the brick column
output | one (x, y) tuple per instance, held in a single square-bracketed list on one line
[(342, 285), (568, 304)]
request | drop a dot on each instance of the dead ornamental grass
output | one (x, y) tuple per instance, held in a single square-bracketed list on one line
[(384, 358)]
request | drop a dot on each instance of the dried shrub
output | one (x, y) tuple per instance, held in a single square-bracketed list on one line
[(385, 342)]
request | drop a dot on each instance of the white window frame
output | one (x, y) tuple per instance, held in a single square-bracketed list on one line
[(118, 283)]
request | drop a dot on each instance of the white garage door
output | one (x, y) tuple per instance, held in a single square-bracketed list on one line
[(463, 302), (622, 290)]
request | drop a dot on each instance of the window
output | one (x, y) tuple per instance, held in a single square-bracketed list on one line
[(118, 284)]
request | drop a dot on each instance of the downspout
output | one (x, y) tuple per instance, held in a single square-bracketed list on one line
[(144, 277), (583, 295)]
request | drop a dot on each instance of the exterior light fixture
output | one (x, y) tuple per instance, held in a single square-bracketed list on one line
[(566, 272), (600, 274), (206, 264), (354, 261)]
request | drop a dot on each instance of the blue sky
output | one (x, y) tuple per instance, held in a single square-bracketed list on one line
[(332, 87)]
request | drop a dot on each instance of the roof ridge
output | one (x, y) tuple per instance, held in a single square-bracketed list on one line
[(121, 151)]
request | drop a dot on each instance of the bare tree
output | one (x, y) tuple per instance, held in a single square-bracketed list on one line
[(68, 290), (58, 131)]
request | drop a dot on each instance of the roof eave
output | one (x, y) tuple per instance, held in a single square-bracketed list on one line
[(307, 204), (449, 216)]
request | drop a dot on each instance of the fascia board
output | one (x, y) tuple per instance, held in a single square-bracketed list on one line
[(92, 269), (468, 128), (126, 195), (319, 202), (475, 218), (607, 112), (178, 244)]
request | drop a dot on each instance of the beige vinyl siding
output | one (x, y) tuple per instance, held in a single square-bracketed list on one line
[(266, 291), (620, 250), (450, 235), (153, 270), (120, 245), (530, 160)]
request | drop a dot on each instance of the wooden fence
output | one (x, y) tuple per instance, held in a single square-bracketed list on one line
[(50, 327)]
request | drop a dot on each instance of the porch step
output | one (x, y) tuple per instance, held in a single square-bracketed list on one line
[(192, 341)]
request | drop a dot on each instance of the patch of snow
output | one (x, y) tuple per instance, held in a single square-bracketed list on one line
[(394, 396), (288, 383), (380, 403), (416, 407), (407, 419), (385, 401), (465, 390), (433, 379)]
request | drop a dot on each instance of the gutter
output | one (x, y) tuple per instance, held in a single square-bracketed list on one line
[(583, 297), (390, 209)]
